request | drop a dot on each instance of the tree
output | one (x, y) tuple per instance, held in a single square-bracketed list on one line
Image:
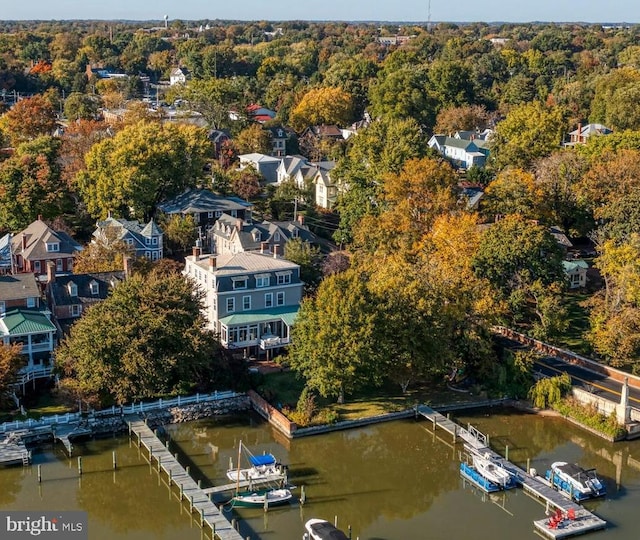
[(11, 361), (615, 101), (145, 339), (334, 345), (77, 140), (322, 106), (140, 166), (528, 132), (81, 106), (181, 232), (29, 118), (513, 191), (253, 139), (214, 98), (462, 118), (308, 258), (246, 183), (104, 254)]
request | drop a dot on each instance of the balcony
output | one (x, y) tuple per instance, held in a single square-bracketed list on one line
[(271, 342)]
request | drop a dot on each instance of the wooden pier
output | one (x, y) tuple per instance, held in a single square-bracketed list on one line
[(14, 452), (476, 442), (269, 480), (199, 502)]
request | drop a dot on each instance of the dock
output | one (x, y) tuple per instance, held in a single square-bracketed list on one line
[(476, 442), (268, 480), (199, 501), (14, 452)]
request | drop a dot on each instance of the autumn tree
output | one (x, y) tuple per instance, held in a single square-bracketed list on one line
[(309, 259), (77, 140), (529, 132), (180, 232), (140, 166), (253, 139), (28, 119), (214, 98), (105, 253), (81, 106), (615, 102), (145, 339), (461, 118), (322, 106), (11, 361), (513, 191), (246, 183)]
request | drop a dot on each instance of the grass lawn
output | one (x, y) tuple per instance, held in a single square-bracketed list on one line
[(578, 324), (45, 404)]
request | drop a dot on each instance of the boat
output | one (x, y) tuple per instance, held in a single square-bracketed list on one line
[(470, 473), (578, 483), (263, 467), (319, 529), (262, 498), (493, 471)]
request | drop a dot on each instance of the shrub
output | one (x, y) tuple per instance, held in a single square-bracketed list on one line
[(589, 416)]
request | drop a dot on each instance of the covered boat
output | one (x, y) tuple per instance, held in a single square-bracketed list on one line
[(319, 529), (493, 471), (263, 467), (576, 482), (262, 497)]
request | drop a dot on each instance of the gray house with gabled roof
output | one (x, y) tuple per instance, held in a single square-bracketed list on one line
[(461, 152), (143, 240)]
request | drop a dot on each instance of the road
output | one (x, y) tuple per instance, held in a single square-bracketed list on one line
[(596, 383)]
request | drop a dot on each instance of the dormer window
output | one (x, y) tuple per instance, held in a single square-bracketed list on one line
[(276, 237), (240, 282), (257, 236), (294, 233), (53, 247), (73, 289), (95, 289)]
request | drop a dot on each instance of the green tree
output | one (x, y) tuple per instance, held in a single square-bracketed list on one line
[(145, 339), (309, 259), (513, 191), (528, 132), (214, 98), (79, 105), (334, 345), (140, 166), (11, 361), (180, 232)]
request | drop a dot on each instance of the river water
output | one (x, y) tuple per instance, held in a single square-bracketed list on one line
[(391, 481)]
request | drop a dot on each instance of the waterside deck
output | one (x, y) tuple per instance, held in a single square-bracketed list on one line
[(198, 500), (475, 442)]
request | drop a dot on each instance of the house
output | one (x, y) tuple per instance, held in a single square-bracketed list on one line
[(24, 319), (280, 136), (326, 189), (179, 75), (260, 114), (232, 235), (265, 165), (38, 244), (582, 133), (6, 254), (251, 298), (561, 238), (297, 169), (461, 152), (218, 138), (206, 207), (323, 131), (576, 272), (144, 241), (70, 296)]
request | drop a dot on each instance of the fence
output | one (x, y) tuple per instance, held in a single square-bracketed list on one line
[(126, 409)]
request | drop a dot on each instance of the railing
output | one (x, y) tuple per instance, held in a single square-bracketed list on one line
[(269, 343), (114, 410), (28, 376)]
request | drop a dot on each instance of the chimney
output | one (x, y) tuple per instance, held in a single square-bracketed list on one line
[(239, 224), (264, 247), (579, 137), (196, 252), (276, 251), (301, 220), (212, 263), (126, 266), (39, 217), (51, 271)]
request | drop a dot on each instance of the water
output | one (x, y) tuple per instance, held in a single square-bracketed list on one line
[(392, 481)]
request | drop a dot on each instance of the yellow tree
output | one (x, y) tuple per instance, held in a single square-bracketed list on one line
[(326, 105), (11, 360), (514, 191)]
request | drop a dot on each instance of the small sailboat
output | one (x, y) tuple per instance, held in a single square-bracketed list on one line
[(263, 467), (319, 529)]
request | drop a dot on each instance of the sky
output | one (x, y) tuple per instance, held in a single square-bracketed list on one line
[(601, 11)]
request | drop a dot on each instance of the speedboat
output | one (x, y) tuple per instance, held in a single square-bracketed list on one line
[(574, 481), (319, 529), (493, 471), (262, 498)]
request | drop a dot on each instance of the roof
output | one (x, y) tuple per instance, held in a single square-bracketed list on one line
[(572, 266), (560, 237), (256, 157), (38, 234), (61, 296), (18, 287), (19, 322), (286, 313), (226, 226), (202, 200), (591, 129), (5, 251), (151, 229), (233, 264)]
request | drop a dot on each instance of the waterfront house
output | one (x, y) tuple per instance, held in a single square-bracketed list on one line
[(251, 298), (37, 244), (25, 320)]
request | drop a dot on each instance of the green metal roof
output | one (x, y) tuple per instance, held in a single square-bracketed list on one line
[(286, 313), (21, 322)]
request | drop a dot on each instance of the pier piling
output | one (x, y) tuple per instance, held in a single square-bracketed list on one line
[(115, 461), (80, 465), (39, 474)]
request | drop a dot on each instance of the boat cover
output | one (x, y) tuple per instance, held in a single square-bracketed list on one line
[(266, 459), (326, 531)]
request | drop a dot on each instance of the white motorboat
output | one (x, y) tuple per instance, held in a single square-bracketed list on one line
[(319, 529), (575, 481), (493, 471)]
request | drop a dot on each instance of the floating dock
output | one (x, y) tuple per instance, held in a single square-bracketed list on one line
[(473, 476), (199, 502), (475, 442)]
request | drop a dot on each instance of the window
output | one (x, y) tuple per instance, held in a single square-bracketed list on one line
[(294, 233), (31, 302), (231, 305), (280, 298), (59, 266), (75, 310), (36, 266), (210, 215), (69, 264), (129, 241), (3, 307), (218, 213), (246, 303), (147, 254), (93, 286), (53, 246), (284, 278), (268, 300), (262, 281), (155, 256), (154, 241), (276, 237), (73, 289), (240, 283)]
